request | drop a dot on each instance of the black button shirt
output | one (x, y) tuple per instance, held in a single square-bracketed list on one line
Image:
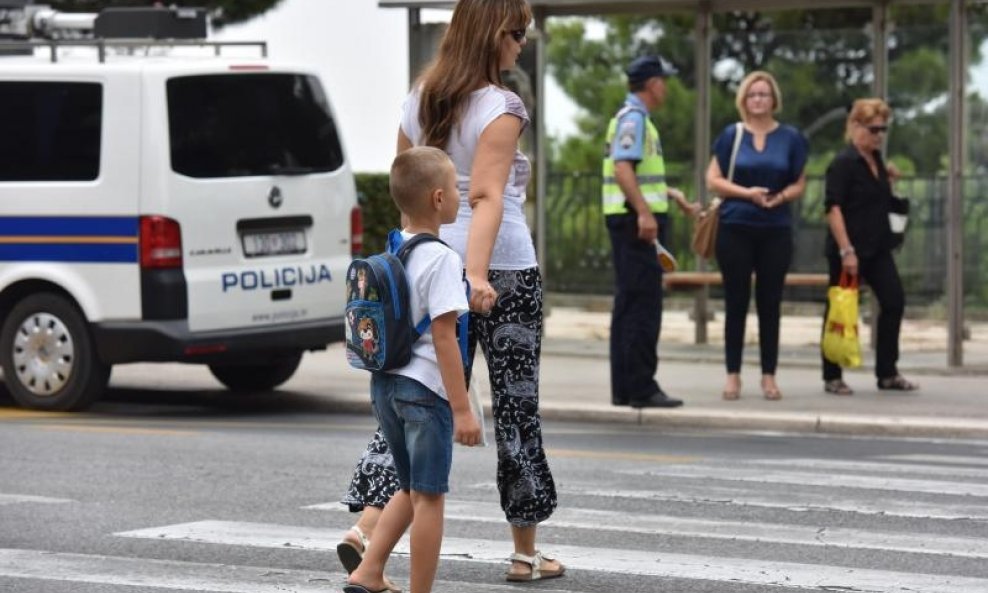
[(864, 201)]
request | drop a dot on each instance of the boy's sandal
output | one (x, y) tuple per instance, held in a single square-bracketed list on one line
[(351, 552), (897, 383), (837, 387), (537, 573)]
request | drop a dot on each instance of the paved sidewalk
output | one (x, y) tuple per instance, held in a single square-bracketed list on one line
[(950, 402)]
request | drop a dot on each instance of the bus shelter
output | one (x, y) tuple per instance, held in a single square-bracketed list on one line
[(422, 38)]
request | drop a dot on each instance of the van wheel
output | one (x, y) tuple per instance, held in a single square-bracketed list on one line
[(259, 376), (48, 357)]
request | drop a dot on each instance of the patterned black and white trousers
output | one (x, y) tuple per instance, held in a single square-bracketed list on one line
[(510, 338)]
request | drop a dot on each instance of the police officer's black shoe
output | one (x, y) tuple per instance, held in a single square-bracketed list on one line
[(657, 400), (618, 401)]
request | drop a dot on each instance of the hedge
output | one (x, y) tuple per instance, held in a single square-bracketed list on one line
[(380, 213)]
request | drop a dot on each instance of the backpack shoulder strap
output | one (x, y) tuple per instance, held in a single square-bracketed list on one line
[(402, 249), (406, 247)]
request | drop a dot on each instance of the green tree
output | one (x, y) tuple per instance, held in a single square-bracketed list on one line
[(822, 60)]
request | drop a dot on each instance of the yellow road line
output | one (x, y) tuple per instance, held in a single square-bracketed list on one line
[(115, 430), (21, 414), (658, 458)]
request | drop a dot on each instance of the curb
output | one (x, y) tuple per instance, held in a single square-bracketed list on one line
[(792, 422), (741, 420)]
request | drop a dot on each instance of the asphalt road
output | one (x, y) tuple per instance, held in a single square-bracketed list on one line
[(160, 490)]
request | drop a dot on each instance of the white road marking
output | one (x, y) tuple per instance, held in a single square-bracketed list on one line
[(792, 501), (165, 574), (625, 562), (877, 467), (769, 533), (19, 498), (190, 576), (945, 459), (748, 474)]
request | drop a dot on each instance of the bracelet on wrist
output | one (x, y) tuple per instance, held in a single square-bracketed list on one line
[(846, 251)]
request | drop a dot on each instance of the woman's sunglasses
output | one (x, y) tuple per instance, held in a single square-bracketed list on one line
[(877, 129), (518, 34)]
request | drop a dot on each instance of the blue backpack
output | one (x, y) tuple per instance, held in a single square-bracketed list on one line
[(379, 329)]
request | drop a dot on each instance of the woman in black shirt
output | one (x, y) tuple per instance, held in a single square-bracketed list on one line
[(858, 201)]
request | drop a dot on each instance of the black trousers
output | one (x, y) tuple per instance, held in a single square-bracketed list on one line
[(882, 277), (766, 252), (636, 318)]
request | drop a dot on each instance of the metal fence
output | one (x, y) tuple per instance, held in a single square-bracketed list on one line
[(579, 254)]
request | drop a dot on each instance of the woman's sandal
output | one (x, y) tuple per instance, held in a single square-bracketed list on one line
[(897, 383), (730, 395), (351, 552), (837, 387), (772, 393), (537, 573)]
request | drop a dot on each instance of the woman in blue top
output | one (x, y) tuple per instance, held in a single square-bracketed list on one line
[(755, 231)]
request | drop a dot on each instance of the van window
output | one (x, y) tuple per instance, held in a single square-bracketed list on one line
[(233, 125), (51, 130)]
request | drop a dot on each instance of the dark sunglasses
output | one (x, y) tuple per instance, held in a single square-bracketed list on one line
[(877, 129), (518, 34)]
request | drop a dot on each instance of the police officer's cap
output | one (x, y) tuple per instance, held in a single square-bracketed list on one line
[(644, 67)]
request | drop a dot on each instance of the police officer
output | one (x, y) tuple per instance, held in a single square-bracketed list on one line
[(636, 205)]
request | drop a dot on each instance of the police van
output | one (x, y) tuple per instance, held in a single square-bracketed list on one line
[(197, 209)]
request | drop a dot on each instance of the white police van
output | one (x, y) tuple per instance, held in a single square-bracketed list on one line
[(156, 208)]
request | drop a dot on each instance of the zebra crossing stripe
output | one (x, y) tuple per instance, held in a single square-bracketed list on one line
[(19, 498), (625, 562), (941, 459), (877, 467), (834, 480), (164, 574), (790, 501), (769, 533)]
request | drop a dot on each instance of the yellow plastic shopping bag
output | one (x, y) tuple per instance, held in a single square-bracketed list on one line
[(840, 334)]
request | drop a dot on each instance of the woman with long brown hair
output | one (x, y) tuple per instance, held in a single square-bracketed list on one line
[(461, 105)]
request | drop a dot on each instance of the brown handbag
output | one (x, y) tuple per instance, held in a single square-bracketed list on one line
[(705, 228)]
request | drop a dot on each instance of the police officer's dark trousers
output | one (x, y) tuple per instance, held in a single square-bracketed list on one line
[(636, 318)]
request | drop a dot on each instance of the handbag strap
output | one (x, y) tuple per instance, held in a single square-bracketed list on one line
[(738, 132)]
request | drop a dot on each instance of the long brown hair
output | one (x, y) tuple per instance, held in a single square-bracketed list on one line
[(469, 55)]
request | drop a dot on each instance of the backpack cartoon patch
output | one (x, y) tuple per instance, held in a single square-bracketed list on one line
[(379, 328)]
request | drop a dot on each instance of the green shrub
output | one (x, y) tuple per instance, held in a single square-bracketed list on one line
[(380, 213)]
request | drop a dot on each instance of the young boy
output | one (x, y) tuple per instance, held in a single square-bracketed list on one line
[(422, 407)]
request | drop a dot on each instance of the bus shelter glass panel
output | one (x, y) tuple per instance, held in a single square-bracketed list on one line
[(975, 205), (821, 60), (587, 84)]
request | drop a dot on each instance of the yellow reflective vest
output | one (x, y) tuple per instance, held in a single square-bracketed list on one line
[(650, 172)]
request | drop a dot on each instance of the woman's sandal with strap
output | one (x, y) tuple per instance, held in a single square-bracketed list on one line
[(535, 562), (837, 387), (349, 552), (350, 557)]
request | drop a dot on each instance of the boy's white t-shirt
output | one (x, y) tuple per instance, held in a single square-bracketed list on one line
[(435, 281)]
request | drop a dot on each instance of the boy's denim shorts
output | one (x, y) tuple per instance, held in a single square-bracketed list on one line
[(418, 426)]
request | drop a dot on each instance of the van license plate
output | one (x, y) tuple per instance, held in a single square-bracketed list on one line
[(273, 243)]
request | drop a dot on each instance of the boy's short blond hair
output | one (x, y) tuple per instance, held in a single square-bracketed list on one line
[(415, 173)]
